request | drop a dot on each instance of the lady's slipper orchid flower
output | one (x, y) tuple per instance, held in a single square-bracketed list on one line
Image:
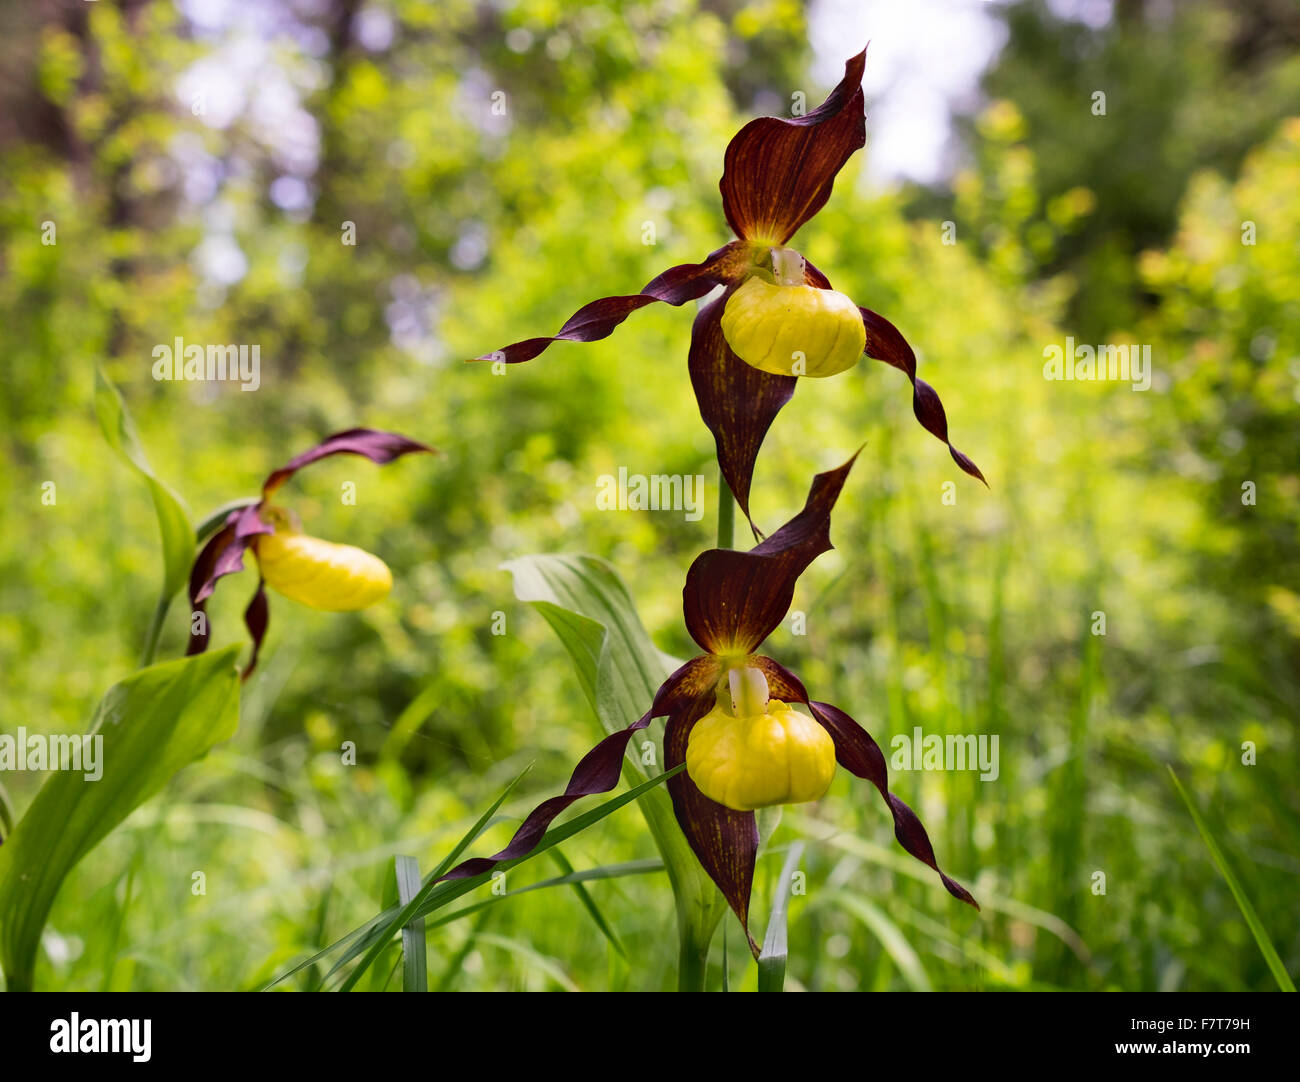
[(732, 722), (321, 574), (777, 317)]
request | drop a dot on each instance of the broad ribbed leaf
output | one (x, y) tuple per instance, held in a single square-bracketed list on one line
[(621, 671), (175, 531), (152, 724)]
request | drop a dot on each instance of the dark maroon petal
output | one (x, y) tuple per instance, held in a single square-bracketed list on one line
[(814, 277), (860, 755), (204, 572), (599, 770), (886, 343), (778, 173), (256, 618), (597, 320), (724, 841), (736, 400), (379, 447), (781, 682), (222, 555), (733, 600)]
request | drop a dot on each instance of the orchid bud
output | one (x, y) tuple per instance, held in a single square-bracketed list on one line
[(755, 756), (789, 328), (320, 574)]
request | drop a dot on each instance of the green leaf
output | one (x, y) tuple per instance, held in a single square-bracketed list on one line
[(174, 527), (152, 724), (771, 962), (1257, 929), (619, 670), (415, 977)]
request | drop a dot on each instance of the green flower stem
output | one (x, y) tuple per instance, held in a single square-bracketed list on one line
[(155, 631), (726, 514), (692, 961)]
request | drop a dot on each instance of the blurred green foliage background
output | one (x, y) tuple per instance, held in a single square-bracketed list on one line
[(971, 614)]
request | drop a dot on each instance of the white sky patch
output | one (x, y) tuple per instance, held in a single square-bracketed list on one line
[(291, 193), (207, 14), (925, 58), (374, 29), (243, 78), (1093, 13), (220, 260)]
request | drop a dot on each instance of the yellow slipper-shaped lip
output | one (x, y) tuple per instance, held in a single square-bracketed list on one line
[(793, 330), (321, 574)]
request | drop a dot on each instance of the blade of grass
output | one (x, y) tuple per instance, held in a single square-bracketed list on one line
[(434, 895), (900, 951), (605, 871), (549, 966), (962, 947), (375, 986), (1248, 913), (408, 722), (119, 921), (372, 936), (589, 904), (320, 955), (771, 961), (480, 825), (454, 967), (318, 923), (726, 965), (361, 937), (415, 977)]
